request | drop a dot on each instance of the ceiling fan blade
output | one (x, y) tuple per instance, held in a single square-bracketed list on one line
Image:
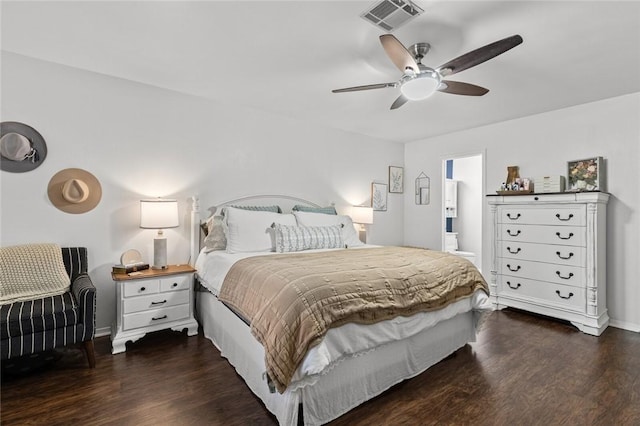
[(399, 102), (478, 56), (398, 54), (366, 87), (460, 88)]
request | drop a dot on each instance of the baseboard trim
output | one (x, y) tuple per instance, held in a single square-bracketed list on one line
[(624, 325), (104, 331)]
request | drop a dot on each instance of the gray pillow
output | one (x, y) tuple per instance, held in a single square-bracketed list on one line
[(324, 210)]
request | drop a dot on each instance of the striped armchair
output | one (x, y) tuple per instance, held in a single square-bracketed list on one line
[(43, 324)]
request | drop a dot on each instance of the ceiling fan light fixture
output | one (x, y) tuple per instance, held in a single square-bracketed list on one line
[(421, 86)]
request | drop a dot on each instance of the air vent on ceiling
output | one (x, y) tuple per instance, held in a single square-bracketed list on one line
[(391, 14)]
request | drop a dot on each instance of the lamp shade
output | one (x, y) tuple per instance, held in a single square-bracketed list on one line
[(158, 213), (362, 214)]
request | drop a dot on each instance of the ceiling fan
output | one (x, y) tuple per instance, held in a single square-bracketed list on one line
[(419, 81)]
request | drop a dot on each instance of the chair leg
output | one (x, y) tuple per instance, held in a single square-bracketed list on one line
[(91, 356)]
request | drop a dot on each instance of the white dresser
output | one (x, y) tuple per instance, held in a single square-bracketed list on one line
[(549, 256), (151, 301)]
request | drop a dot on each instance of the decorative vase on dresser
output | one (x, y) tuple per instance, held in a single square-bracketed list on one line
[(549, 256)]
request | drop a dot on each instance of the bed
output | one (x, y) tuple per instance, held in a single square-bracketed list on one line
[(349, 363)]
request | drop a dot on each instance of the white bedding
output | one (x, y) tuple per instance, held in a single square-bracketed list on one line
[(348, 340)]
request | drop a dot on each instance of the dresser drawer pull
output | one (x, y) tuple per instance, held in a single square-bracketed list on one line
[(568, 277), (159, 303), (514, 218), (513, 235), (564, 238), (514, 270), (513, 287), (565, 219), (563, 297), (159, 318), (142, 288), (516, 251), (564, 257), (174, 285)]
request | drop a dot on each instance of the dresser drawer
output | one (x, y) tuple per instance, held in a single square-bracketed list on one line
[(556, 295), (154, 317), (179, 282), (560, 274), (550, 214), (139, 288), (155, 301), (549, 253), (564, 235)]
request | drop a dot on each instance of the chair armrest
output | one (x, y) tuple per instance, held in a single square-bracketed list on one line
[(85, 294)]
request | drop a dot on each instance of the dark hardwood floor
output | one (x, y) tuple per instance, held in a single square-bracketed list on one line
[(524, 370)]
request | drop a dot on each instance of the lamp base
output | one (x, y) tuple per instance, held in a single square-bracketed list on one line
[(159, 253), (362, 234)]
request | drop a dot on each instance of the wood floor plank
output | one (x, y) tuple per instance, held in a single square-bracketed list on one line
[(524, 369)]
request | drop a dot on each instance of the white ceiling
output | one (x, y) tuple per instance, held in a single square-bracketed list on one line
[(284, 57)]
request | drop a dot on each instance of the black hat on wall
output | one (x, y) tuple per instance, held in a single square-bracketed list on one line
[(22, 148)]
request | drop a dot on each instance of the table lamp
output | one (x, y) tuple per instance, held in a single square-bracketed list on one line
[(362, 215), (159, 213)]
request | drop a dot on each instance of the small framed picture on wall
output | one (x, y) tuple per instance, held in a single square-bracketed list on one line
[(396, 180), (379, 196)]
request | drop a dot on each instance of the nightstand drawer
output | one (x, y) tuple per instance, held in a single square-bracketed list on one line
[(140, 288), (155, 301), (179, 282), (154, 317)]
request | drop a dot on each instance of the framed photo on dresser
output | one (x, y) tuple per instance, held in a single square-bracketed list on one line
[(586, 175)]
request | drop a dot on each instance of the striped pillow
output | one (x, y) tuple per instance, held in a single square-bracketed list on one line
[(298, 238)]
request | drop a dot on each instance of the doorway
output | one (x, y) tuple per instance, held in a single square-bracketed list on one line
[(462, 205)]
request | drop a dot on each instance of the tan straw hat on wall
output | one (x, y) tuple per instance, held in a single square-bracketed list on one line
[(74, 191)]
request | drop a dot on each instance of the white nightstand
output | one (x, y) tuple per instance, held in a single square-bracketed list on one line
[(153, 300)]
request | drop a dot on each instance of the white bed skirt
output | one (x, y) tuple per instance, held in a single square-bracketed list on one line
[(348, 384)]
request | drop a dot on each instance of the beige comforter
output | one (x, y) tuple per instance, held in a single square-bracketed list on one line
[(291, 300)]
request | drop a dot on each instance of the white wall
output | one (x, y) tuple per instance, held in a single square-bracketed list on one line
[(541, 145), (141, 141)]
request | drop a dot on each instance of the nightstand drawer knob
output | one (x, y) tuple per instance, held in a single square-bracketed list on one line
[(158, 318), (174, 285), (142, 288), (159, 303)]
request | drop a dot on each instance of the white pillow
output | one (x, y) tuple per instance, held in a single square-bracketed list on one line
[(349, 232), (249, 231)]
